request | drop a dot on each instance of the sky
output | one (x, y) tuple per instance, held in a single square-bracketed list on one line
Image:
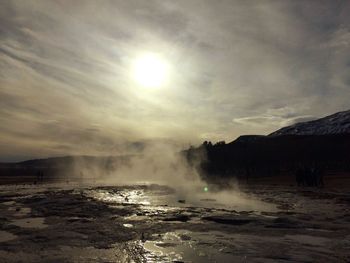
[(234, 68)]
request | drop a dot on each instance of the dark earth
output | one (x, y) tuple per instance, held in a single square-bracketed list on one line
[(147, 223)]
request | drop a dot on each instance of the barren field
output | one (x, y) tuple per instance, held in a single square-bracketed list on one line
[(155, 223)]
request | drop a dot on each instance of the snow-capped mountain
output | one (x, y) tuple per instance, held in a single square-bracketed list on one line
[(338, 123)]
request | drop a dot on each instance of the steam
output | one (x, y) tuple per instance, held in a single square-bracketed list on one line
[(155, 163), (163, 164)]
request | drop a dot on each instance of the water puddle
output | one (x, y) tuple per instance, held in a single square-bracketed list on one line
[(8, 203), (118, 253), (6, 236), (182, 245), (136, 218), (319, 230), (18, 256), (122, 196), (35, 222), (216, 246), (20, 211), (167, 199), (309, 240)]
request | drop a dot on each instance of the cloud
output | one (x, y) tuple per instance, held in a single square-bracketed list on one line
[(272, 119), (65, 85)]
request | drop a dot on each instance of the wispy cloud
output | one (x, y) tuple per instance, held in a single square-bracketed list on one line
[(272, 118), (237, 67)]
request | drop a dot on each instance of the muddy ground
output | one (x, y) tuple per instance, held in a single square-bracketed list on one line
[(153, 223)]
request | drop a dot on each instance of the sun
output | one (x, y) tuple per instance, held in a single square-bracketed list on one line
[(150, 71)]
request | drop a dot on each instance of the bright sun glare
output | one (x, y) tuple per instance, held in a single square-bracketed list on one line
[(150, 71)]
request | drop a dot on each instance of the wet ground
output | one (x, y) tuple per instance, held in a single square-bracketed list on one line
[(153, 223)]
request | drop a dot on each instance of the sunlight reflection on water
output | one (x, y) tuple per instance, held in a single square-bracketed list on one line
[(162, 197), (187, 246)]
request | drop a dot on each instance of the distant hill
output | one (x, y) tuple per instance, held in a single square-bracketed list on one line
[(57, 162), (338, 123), (66, 166), (321, 145)]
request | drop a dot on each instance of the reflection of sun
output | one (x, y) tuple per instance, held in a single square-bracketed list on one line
[(150, 71)]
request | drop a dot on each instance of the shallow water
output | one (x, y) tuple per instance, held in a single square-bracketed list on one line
[(188, 247), (231, 200), (309, 240), (6, 236), (147, 223), (36, 222)]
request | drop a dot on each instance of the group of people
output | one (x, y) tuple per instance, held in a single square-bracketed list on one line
[(309, 176), (39, 177)]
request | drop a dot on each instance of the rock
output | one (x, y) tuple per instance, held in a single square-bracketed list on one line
[(227, 219), (181, 218), (283, 222)]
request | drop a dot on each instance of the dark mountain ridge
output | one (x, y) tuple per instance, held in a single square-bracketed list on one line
[(337, 123), (321, 145), (64, 167)]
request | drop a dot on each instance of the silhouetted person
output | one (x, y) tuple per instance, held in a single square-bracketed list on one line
[(319, 177), (299, 177), (38, 175), (41, 176), (309, 176)]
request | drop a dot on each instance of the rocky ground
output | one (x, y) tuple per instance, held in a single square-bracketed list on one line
[(150, 223)]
